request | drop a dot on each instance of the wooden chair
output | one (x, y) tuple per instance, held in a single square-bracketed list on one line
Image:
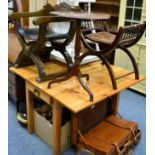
[(38, 43), (125, 37)]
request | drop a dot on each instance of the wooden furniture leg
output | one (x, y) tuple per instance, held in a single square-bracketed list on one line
[(57, 117), (75, 71), (29, 106), (115, 103)]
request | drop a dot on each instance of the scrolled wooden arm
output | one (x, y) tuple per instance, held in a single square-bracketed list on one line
[(43, 12)]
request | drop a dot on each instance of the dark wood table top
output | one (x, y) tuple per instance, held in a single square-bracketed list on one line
[(82, 15)]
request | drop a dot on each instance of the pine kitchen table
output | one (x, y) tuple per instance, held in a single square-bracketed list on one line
[(69, 93)]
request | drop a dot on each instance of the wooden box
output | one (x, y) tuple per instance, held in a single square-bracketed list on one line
[(43, 128), (88, 118)]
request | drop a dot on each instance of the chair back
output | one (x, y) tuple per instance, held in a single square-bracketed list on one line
[(131, 34)]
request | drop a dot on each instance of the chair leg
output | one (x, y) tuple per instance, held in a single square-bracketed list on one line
[(44, 53), (40, 66), (132, 60), (111, 73), (23, 60), (67, 58), (91, 97), (106, 62), (61, 47)]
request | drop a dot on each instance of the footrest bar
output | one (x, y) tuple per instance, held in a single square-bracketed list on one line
[(117, 78)]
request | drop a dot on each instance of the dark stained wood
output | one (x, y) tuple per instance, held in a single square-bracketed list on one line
[(33, 40), (75, 71), (88, 118), (82, 15), (125, 37)]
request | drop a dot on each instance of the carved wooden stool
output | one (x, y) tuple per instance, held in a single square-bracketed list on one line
[(37, 43), (123, 39)]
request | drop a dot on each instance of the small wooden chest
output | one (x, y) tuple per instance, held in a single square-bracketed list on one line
[(88, 118)]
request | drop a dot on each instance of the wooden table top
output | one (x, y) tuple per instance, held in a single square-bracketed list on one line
[(82, 15), (69, 93)]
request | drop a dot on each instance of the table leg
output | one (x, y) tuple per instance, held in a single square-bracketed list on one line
[(75, 71), (115, 103), (29, 106), (57, 117)]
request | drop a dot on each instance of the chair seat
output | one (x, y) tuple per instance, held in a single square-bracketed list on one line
[(32, 34), (101, 37)]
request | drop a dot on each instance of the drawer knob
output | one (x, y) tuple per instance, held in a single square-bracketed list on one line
[(36, 92)]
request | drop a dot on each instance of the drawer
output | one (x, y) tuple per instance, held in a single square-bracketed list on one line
[(12, 77), (39, 93), (12, 89)]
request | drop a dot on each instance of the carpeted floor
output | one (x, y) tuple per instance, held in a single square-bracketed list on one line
[(132, 106)]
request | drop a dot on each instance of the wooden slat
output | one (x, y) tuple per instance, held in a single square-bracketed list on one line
[(70, 94)]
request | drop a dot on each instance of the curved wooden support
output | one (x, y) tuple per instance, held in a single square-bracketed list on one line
[(39, 64), (68, 58), (79, 75), (23, 60), (74, 71), (85, 76), (91, 97), (41, 70), (66, 77), (111, 73), (136, 71)]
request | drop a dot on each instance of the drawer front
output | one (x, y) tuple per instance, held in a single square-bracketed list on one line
[(12, 89), (38, 93), (12, 77)]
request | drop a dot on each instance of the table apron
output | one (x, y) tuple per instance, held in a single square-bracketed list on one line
[(42, 95)]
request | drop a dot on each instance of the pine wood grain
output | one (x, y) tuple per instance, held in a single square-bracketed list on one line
[(70, 94)]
